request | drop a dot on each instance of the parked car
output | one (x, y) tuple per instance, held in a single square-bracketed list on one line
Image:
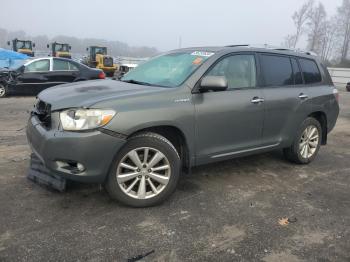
[(182, 109), (123, 69), (348, 87), (38, 74)]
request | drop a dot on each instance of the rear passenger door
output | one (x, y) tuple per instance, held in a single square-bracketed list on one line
[(63, 71), (284, 95)]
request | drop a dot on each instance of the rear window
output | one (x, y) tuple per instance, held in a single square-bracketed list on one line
[(276, 70), (63, 65), (310, 70), (60, 65)]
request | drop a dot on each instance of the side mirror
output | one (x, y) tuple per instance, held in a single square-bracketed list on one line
[(87, 49), (8, 43), (213, 83), (33, 44), (70, 48), (48, 46)]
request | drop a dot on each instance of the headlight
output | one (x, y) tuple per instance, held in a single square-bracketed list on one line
[(85, 119)]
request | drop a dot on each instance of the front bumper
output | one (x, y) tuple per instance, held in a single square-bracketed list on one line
[(94, 150)]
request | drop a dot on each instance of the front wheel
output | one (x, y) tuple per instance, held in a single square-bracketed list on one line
[(145, 172), (307, 142), (3, 90)]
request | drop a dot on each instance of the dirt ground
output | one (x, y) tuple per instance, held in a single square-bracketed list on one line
[(222, 212)]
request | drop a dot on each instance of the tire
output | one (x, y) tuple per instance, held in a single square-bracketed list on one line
[(144, 171), (304, 150), (3, 90)]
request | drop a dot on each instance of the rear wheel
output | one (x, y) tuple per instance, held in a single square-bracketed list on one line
[(145, 172), (3, 90), (307, 142)]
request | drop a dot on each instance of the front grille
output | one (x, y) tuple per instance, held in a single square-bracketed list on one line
[(108, 61), (43, 111)]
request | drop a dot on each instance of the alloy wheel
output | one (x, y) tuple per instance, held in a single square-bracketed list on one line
[(2, 91), (309, 142), (143, 173)]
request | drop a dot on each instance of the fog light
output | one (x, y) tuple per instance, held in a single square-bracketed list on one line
[(70, 166)]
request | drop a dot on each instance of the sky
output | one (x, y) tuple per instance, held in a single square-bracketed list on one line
[(158, 23)]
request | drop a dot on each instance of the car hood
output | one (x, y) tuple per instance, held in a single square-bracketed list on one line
[(88, 93)]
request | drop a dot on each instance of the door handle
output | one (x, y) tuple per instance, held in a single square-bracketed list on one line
[(257, 100), (303, 96)]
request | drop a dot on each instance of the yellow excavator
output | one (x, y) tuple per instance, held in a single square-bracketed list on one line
[(98, 58), (22, 46), (60, 50)]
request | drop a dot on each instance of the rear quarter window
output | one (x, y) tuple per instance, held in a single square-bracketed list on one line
[(298, 79), (276, 70), (310, 70)]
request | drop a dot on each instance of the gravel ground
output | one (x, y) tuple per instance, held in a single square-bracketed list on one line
[(227, 211)]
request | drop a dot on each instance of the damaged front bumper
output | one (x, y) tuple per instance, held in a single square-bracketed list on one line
[(78, 156)]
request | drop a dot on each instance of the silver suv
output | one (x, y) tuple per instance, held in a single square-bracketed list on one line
[(182, 109)]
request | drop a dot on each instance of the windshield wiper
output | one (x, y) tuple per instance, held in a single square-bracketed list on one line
[(132, 81)]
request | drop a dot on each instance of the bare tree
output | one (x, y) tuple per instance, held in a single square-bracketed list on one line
[(343, 15), (316, 22), (289, 41), (328, 39), (300, 18)]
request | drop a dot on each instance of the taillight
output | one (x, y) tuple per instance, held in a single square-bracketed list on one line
[(101, 75), (336, 94)]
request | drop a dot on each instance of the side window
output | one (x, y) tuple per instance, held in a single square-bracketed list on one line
[(72, 67), (277, 70), (60, 65), (310, 70), (239, 70), (38, 66), (298, 80)]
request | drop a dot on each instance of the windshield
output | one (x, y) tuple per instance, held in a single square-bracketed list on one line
[(100, 50), (169, 70), (61, 47), (24, 45)]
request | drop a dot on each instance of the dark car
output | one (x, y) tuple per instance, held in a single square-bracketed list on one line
[(41, 73), (348, 87), (182, 109)]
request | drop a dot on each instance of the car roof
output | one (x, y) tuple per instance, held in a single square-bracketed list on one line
[(32, 59), (247, 48)]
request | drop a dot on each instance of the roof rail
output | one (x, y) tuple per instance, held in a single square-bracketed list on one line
[(297, 50), (236, 45), (266, 46)]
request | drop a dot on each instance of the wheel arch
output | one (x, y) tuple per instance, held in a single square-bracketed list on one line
[(321, 117), (176, 137)]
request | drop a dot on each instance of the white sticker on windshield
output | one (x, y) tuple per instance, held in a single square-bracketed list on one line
[(202, 53)]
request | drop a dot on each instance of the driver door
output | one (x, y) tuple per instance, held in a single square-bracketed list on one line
[(230, 122)]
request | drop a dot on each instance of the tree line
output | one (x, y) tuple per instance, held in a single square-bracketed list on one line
[(329, 37), (115, 48)]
